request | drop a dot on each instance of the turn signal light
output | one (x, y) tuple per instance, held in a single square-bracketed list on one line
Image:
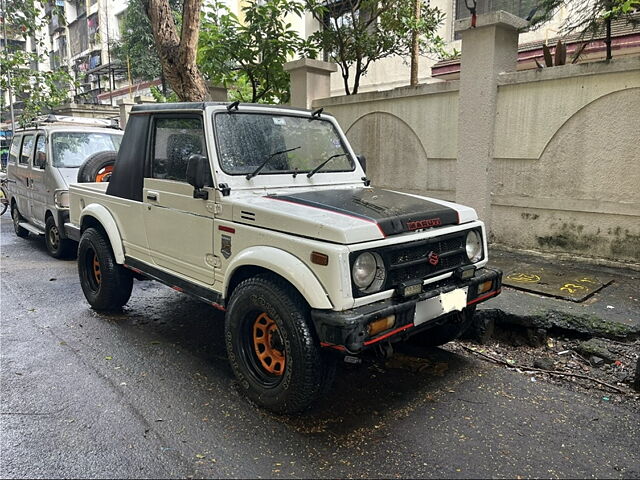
[(381, 325), (319, 258), (485, 287)]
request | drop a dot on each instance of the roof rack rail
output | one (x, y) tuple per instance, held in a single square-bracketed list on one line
[(69, 120)]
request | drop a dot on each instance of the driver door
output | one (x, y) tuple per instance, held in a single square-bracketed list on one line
[(179, 227)]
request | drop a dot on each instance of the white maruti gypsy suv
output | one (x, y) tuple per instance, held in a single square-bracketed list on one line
[(266, 214)]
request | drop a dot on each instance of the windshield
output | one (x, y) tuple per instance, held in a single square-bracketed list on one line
[(246, 140), (70, 149)]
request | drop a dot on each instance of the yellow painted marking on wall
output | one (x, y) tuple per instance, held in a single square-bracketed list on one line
[(524, 277)]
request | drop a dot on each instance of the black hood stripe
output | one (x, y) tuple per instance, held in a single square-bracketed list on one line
[(283, 198), (393, 212)]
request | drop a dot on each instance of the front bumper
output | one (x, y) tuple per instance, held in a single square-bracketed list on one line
[(348, 330)]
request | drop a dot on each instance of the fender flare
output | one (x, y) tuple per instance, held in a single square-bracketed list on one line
[(104, 217), (287, 266)]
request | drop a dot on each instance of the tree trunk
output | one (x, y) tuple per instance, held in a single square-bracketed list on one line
[(356, 77), (344, 71), (415, 47), (178, 54)]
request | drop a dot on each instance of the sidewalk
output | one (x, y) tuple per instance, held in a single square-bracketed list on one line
[(540, 292)]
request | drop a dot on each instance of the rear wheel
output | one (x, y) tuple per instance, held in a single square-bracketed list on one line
[(57, 246), (456, 325), (17, 218), (106, 285), (272, 348)]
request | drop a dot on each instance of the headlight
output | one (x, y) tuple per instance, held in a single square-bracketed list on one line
[(61, 199), (474, 246), (368, 272)]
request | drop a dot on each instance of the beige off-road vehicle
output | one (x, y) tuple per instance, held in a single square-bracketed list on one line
[(43, 159), (266, 214)]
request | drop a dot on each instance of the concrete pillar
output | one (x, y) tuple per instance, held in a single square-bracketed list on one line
[(125, 105), (487, 50), (144, 99), (217, 93), (310, 79)]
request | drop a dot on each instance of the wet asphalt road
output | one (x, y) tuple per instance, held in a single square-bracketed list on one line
[(149, 393)]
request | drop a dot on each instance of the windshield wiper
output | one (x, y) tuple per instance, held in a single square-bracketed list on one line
[(312, 172), (262, 165)]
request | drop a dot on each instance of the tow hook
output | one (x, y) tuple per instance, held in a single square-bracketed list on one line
[(352, 360), (384, 350)]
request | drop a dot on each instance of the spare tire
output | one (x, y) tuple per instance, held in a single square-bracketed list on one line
[(97, 167)]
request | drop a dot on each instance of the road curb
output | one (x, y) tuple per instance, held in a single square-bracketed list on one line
[(576, 324)]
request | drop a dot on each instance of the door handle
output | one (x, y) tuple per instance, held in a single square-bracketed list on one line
[(152, 196)]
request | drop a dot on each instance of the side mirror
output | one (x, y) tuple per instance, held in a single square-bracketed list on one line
[(363, 162), (199, 175)]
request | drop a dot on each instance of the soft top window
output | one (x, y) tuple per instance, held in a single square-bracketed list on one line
[(175, 140)]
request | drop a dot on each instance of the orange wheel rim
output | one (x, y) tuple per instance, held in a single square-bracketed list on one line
[(96, 269), (104, 174), (268, 345)]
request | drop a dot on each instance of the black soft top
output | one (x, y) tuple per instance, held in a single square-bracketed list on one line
[(128, 175), (127, 178)]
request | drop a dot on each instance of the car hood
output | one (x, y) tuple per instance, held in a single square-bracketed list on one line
[(348, 215), (69, 175)]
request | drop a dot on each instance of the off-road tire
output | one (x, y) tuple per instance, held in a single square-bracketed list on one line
[(57, 246), (108, 288), (91, 168), (448, 331), (15, 215), (308, 371)]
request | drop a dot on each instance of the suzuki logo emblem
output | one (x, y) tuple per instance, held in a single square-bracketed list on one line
[(433, 258)]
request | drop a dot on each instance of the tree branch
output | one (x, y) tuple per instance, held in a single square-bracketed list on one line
[(543, 370)]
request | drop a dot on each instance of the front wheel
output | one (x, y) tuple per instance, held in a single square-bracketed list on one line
[(272, 348), (106, 285), (57, 246)]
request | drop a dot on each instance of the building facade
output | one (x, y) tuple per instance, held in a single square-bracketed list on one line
[(80, 43)]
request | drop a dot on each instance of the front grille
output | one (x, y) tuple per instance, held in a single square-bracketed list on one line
[(410, 261)]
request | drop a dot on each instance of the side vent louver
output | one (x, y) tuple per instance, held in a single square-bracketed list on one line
[(247, 215)]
